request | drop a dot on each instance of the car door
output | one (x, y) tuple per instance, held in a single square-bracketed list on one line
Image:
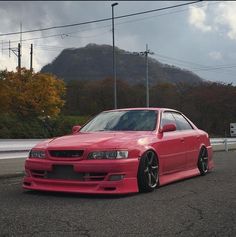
[(171, 146), (190, 139)]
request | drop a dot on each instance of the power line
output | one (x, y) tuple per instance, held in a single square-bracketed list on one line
[(178, 60), (90, 36), (163, 14), (168, 58), (202, 67), (214, 68), (67, 34), (62, 35), (100, 20)]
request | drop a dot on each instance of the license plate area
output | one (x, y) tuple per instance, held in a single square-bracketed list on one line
[(65, 172)]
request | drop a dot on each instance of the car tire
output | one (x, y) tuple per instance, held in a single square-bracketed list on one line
[(203, 161), (148, 172)]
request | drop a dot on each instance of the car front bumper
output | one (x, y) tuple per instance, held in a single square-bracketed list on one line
[(95, 176)]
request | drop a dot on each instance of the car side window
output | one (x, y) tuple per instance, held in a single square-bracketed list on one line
[(167, 118), (182, 123)]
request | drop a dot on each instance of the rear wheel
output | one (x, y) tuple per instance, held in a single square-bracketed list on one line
[(148, 175), (203, 161)]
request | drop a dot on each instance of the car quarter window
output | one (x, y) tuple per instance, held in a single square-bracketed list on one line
[(182, 123), (167, 118)]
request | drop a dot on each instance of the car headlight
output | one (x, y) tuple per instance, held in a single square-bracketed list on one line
[(37, 154), (108, 155)]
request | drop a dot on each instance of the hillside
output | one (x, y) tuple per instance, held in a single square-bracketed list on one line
[(94, 62)]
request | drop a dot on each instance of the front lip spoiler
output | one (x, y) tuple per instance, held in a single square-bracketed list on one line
[(124, 186)]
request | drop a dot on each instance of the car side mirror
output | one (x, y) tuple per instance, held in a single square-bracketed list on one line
[(75, 129), (168, 128)]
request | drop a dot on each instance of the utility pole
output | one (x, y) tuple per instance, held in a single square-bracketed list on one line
[(21, 33), (9, 47), (31, 57), (145, 53), (20, 49), (19, 58), (17, 52), (147, 82), (114, 58)]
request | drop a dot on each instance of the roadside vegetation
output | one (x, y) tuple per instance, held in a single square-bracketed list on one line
[(39, 105), (30, 106)]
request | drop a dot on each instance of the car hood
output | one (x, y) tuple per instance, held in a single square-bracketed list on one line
[(98, 140)]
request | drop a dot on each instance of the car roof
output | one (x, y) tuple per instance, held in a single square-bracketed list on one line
[(143, 108)]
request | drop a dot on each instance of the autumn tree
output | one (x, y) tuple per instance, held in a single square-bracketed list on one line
[(31, 94)]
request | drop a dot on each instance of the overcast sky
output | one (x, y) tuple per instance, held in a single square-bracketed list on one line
[(200, 37)]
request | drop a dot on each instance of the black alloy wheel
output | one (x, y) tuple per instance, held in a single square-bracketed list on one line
[(203, 162), (148, 172)]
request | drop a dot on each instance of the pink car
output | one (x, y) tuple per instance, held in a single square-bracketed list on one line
[(121, 151)]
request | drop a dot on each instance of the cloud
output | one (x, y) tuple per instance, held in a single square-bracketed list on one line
[(165, 32), (220, 16), (215, 55), (225, 15), (197, 18), (37, 15)]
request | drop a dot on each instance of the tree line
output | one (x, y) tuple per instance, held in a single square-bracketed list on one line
[(210, 105), (41, 105)]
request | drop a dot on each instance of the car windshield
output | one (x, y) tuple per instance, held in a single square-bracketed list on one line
[(126, 120)]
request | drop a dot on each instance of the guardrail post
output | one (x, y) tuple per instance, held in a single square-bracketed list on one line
[(226, 144)]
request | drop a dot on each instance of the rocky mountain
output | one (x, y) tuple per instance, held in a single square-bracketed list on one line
[(94, 62)]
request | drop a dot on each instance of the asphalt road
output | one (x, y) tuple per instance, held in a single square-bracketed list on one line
[(201, 206)]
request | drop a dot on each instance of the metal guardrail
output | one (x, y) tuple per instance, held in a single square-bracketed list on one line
[(16, 148), (14, 145), (229, 140), (227, 143)]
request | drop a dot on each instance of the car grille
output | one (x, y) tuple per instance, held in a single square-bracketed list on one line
[(66, 172), (66, 153)]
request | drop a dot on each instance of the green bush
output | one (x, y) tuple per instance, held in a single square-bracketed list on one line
[(12, 126)]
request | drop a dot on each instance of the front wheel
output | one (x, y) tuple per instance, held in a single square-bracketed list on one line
[(203, 162), (148, 172)]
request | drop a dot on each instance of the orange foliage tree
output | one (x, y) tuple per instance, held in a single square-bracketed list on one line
[(31, 94)]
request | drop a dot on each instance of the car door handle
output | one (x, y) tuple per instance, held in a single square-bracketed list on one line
[(182, 139)]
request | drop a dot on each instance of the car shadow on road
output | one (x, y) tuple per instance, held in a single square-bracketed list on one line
[(76, 195), (188, 179)]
